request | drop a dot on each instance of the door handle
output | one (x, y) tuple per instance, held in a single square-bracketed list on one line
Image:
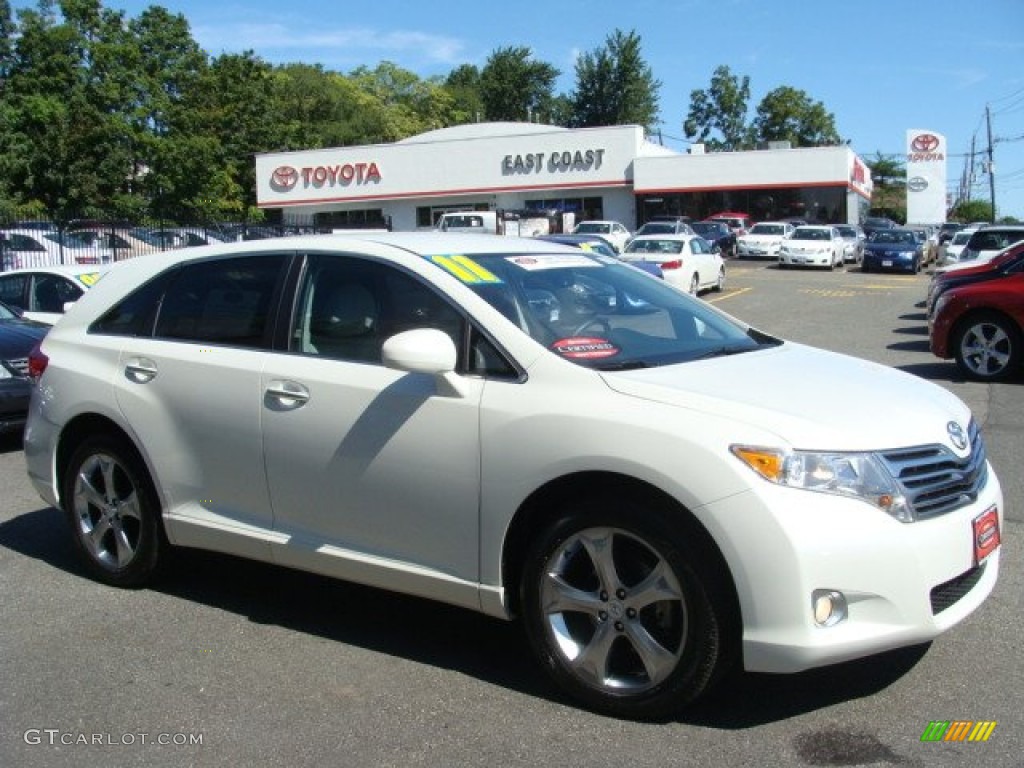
[(287, 394), (141, 370)]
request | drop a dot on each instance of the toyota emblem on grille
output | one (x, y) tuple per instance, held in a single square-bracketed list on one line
[(957, 436)]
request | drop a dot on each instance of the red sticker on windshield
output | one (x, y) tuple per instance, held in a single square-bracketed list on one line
[(585, 348)]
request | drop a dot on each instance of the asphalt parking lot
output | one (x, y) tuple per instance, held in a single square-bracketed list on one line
[(227, 662)]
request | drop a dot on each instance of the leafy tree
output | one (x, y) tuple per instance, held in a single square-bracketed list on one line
[(614, 85), (463, 84), (889, 177), (972, 210), (410, 105), (514, 87), (721, 110), (787, 114)]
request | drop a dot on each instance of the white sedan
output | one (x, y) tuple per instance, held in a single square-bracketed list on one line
[(813, 246), (43, 294), (688, 262), (612, 231), (763, 240)]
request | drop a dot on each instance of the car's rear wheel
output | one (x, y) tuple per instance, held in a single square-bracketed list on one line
[(109, 499), (987, 346), (624, 611), (695, 284)]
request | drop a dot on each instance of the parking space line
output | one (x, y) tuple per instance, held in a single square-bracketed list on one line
[(727, 295)]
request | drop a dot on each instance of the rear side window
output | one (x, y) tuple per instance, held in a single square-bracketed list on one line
[(12, 290), (227, 301)]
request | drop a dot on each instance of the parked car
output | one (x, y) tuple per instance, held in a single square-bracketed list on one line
[(41, 248), (738, 222), (981, 326), (612, 231), (1010, 261), (392, 410), (814, 245), (929, 246), (688, 262), (43, 294), (597, 244), (718, 234), (947, 230), (874, 223), (893, 250), (18, 336), (950, 252), (763, 240), (987, 241), (853, 239), (676, 227), (123, 243)]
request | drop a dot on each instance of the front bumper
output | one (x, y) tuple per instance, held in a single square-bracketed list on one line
[(791, 259), (904, 583)]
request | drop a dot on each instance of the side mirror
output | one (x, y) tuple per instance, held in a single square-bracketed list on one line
[(427, 351)]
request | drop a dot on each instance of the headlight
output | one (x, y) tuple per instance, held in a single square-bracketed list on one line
[(5, 373), (857, 475)]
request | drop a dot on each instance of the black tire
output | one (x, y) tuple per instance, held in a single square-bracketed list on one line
[(695, 284), (110, 502), (608, 635), (987, 346), (720, 283)]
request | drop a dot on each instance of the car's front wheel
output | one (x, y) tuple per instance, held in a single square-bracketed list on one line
[(109, 499), (987, 346), (624, 611), (720, 283)]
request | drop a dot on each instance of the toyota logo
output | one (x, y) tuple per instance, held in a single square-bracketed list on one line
[(957, 436), (917, 184), (925, 142), (284, 178)]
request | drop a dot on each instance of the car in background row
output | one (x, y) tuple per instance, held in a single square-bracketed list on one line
[(853, 238), (814, 245), (739, 223), (43, 294), (18, 336), (981, 326), (41, 248), (597, 244), (612, 231), (893, 250), (929, 245), (688, 262), (947, 230), (676, 227), (951, 250), (718, 234), (874, 223), (987, 241), (763, 240)]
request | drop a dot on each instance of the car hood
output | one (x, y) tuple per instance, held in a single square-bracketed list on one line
[(17, 337), (971, 267), (799, 393)]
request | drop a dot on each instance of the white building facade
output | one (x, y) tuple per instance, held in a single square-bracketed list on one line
[(594, 173)]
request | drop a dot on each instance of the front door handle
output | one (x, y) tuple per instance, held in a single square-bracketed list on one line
[(287, 394)]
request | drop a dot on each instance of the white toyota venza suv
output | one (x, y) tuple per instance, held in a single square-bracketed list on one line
[(524, 429)]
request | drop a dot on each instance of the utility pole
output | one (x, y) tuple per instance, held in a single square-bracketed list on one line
[(991, 164), (970, 169)]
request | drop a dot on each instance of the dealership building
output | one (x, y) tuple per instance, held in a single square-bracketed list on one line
[(593, 173)]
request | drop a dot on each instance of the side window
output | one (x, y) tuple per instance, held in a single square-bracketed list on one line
[(133, 315), (349, 306), (50, 293), (12, 290), (227, 301)]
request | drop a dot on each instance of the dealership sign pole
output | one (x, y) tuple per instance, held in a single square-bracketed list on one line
[(926, 177)]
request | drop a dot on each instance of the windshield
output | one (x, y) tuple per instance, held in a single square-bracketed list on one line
[(768, 229), (655, 245), (659, 226), (593, 227), (600, 313), (806, 233), (892, 236), (848, 232), (705, 228)]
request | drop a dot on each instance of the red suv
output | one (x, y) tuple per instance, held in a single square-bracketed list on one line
[(981, 326)]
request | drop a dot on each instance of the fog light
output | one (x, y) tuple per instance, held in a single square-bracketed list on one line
[(829, 607)]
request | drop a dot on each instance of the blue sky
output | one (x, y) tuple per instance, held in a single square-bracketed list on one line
[(880, 67)]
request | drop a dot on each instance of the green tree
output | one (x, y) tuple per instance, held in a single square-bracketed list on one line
[(787, 114), (889, 178), (463, 83), (514, 87), (410, 105), (972, 210), (718, 115), (614, 85)]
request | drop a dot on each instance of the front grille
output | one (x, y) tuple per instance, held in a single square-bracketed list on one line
[(936, 481), (947, 594), (18, 366)]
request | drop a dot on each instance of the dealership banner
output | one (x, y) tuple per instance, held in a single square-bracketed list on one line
[(926, 177)]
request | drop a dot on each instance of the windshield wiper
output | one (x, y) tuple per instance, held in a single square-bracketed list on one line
[(625, 365), (723, 352)]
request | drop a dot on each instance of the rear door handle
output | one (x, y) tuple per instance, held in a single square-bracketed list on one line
[(141, 370)]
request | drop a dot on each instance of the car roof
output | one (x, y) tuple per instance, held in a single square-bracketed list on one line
[(67, 270), (681, 236)]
